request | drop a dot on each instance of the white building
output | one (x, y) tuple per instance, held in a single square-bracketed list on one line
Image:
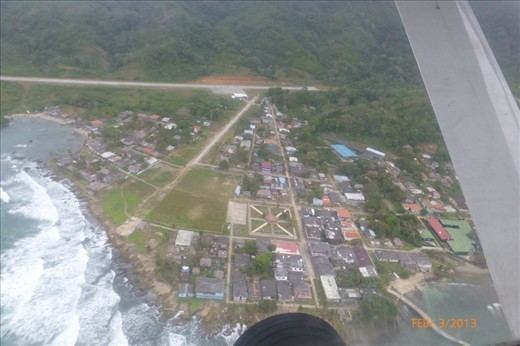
[(355, 196), (184, 238), (375, 152), (341, 178), (368, 272), (239, 96), (107, 154), (330, 288)]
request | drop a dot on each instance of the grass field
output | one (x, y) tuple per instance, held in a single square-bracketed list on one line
[(121, 201), (183, 154), (198, 202), (138, 238), (159, 175)]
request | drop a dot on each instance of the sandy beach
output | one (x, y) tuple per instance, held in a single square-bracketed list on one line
[(404, 286)]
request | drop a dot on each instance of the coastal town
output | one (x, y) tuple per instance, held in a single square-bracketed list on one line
[(256, 173), (233, 214)]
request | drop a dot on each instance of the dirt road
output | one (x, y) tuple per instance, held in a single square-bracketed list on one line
[(159, 193)]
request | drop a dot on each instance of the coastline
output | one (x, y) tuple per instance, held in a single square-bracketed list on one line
[(48, 118), (134, 268), (143, 281)]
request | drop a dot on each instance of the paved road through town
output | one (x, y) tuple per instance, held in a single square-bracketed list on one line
[(303, 241)]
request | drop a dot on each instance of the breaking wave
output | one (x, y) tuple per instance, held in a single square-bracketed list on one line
[(57, 282), (4, 196)]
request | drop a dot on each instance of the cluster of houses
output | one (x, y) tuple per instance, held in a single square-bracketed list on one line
[(413, 261), (202, 260), (259, 142), (425, 199), (339, 192), (237, 152), (327, 230), (333, 225), (92, 169), (289, 282), (130, 141)]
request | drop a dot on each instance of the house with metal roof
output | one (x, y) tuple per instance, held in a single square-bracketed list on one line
[(184, 238), (239, 289), (185, 290), (439, 229), (241, 260), (268, 289), (302, 291), (319, 248), (459, 229), (387, 256), (284, 291), (322, 266), (209, 288)]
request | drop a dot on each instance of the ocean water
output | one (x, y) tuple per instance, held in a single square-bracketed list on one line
[(60, 278), (468, 297)]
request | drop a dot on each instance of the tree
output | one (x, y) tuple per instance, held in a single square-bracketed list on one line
[(348, 278), (224, 165), (250, 247), (378, 309), (262, 265)]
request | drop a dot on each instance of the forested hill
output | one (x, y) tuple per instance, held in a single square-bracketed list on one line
[(336, 42), (333, 42)]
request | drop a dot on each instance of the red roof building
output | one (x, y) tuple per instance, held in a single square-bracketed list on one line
[(97, 123), (326, 201), (286, 247), (438, 229), (343, 213), (434, 206), (266, 166), (414, 208), (348, 224), (351, 235), (148, 150)]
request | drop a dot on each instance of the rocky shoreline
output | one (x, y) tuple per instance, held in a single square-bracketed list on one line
[(143, 281), (134, 271), (129, 264)]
